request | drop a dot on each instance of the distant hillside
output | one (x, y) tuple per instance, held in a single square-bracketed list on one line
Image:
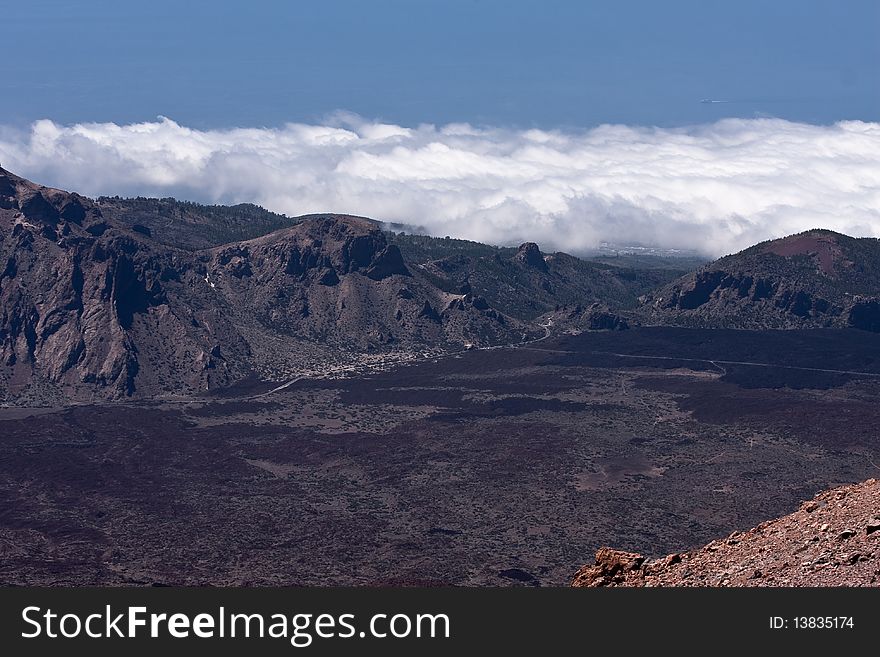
[(454, 266), (525, 282), (813, 279), (424, 248), (193, 226)]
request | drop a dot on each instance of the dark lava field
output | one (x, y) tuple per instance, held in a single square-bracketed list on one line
[(488, 467)]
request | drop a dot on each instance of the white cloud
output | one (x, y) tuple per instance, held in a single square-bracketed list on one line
[(715, 188)]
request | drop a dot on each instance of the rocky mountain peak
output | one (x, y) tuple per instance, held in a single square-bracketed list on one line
[(11, 187), (7, 185), (529, 255), (326, 247), (43, 206)]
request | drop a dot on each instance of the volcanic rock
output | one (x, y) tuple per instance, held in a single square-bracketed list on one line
[(529, 255)]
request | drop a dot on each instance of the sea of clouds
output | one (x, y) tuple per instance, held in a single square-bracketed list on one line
[(713, 188)]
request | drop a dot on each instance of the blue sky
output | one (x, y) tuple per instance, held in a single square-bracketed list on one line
[(546, 64)]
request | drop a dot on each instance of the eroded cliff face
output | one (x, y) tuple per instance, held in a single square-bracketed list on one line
[(87, 304), (723, 297)]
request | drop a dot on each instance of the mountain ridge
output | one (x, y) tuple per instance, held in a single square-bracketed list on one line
[(101, 303)]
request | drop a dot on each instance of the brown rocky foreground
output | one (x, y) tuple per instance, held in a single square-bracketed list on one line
[(832, 540)]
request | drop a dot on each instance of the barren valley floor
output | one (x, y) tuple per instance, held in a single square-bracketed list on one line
[(490, 467)]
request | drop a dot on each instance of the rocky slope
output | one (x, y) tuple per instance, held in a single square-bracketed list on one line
[(832, 540), (93, 307), (523, 282), (814, 279), (337, 281), (89, 306)]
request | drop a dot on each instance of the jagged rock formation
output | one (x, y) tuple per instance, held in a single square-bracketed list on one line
[(814, 279), (832, 540), (529, 255)]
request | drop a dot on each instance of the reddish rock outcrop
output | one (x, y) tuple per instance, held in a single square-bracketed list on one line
[(832, 540)]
